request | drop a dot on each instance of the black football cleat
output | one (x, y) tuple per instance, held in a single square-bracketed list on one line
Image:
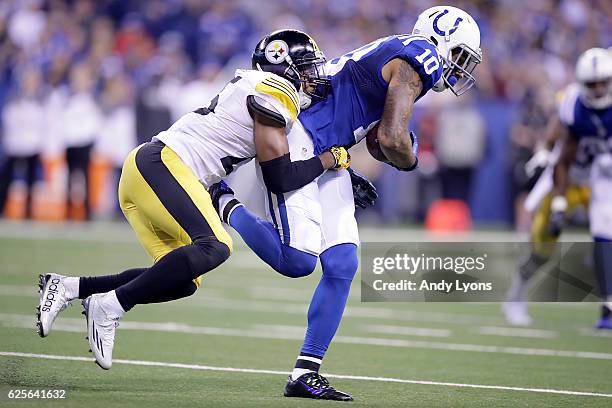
[(314, 385)]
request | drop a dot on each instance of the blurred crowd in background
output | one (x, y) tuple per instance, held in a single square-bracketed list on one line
[(84, 81)]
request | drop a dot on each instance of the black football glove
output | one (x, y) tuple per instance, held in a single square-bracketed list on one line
[(364, 191)]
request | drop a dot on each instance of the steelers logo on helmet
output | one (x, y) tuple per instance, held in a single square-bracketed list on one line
[(277, 51)]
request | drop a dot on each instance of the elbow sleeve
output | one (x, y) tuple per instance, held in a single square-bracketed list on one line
[(281, 175)]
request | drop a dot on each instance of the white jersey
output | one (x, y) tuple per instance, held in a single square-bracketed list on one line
[(579, 170), (214, 141)]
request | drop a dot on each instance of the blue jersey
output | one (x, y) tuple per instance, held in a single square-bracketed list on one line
[(592, 128), (355, 104)]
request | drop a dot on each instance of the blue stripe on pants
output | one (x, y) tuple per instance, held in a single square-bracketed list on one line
[(271, 208), (282, 210)]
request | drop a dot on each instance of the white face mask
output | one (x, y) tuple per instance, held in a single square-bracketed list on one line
[(305, 99)]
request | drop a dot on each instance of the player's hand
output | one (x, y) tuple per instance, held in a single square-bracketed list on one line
[(415, 151), (364, 191), (537, 163), (341, 157), (556, 222)]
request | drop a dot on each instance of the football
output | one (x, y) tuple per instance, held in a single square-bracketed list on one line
[(373, 145)]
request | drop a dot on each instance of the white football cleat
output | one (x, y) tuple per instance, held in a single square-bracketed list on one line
[(101, 327), (53, 299), (516, 313)]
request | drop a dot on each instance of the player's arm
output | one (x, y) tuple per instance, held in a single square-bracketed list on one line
[(567, 156), (541, 157), (280, 174), (558, 205), (404, 87), (555, 130)]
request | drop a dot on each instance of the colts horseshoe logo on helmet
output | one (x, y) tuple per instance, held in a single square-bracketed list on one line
[(449, 32), (277, 51)]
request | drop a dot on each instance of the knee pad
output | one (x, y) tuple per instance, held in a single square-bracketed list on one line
[(206, 255), (340, 262), (296, 263)]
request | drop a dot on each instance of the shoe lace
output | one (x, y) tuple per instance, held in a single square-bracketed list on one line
[(316, 380)]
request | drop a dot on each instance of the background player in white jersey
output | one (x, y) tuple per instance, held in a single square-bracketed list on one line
[(163, 195), (542, 237), (376, 84), (587, 117)]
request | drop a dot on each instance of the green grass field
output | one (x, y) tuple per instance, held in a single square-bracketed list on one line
[(233, 343)]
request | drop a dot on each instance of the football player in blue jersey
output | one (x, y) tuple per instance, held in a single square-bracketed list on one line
[(376, 84), (586, 113)]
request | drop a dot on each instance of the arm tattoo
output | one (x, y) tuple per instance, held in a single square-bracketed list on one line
[(408, 75), (404, 87)]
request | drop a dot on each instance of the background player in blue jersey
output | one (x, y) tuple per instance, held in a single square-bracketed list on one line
[(586, 113), (376, 84)]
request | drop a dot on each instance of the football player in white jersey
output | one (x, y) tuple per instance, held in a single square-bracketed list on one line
[(581, 129), (587, 117), (163, 193), (542, 238)]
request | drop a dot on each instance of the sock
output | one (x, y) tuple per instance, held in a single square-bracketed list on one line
[(87, 286), (263, 238), (172, 272), (111, 305), (306, 363), (72, 287), (227, 204), (327, 305)]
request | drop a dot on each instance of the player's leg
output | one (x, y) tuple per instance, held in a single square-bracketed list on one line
[(173, 217), (182, 233), (262, 236), (58, 291), (542, 244), (289, 238), (339, 261), (32, 164), (603, 270), (600, 224), (7, 169)]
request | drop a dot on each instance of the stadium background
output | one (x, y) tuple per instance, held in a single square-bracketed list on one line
[(141, 64), (110, 74)]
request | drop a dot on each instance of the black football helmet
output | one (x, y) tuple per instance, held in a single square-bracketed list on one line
[(295, 56)]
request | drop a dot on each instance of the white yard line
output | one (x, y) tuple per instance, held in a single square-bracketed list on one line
[(518, 332), (78, 325), (595, 333), (283, 373), (406, 330)]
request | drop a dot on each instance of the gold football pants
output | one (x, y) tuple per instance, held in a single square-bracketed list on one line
[(165, 203)]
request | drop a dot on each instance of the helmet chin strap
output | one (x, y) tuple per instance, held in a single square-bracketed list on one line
[(452, 80)]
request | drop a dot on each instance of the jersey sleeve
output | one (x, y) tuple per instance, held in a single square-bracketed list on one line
[(276, 99), (423, 57), (567, 106)]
